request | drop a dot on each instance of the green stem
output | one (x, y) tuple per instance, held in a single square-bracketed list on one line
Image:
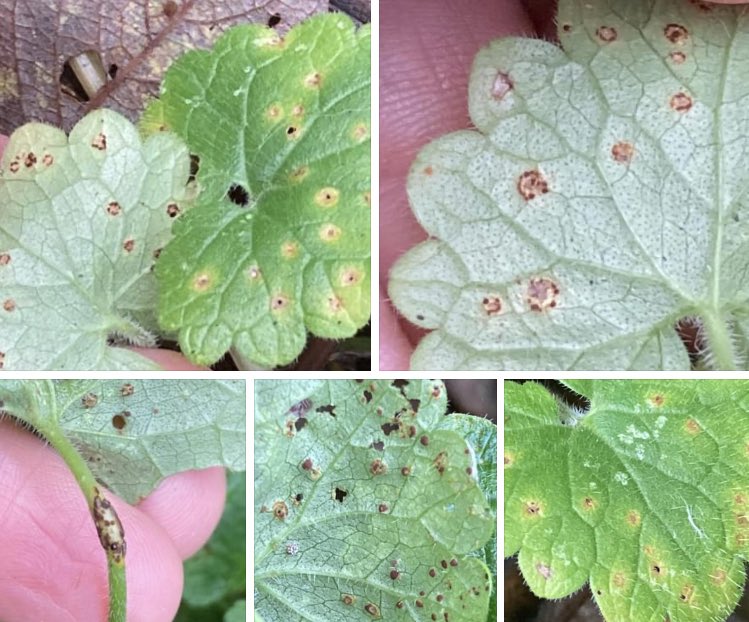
[(47, 425), (722, 354)]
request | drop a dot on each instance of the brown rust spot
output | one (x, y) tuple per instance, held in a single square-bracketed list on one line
[(128, 245), (348, 599), (9, 305), (99, 142), (48, 159), (114, 208), (29, 160), (623, 152), (657, 400), (501, 86), (172, 210), (127, 389), (692, 427), (607, 34), (542, 294), (681, 102), (492, 305), (378, 467), (440, 462), (89, 400), (280, 510), (676, 33), (532, 184), (633, 518), (687, 593)]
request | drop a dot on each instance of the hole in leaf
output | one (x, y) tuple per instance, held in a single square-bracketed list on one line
[(274, 20), (377, 445), (112, 70), (339, 494)]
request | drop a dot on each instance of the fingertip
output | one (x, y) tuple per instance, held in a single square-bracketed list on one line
[(188, 506)]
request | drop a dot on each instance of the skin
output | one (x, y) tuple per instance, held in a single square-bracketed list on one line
[(426, 51)]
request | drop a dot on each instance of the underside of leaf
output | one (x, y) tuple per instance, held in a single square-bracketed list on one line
[(279, 241), (645, 496), (365, 508), (81, 221), (600, 201)]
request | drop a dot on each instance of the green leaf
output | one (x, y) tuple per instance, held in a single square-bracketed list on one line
[(237, 613), (80, 220), (358, 516), (133, 434), (481, 436), (645, 497), (218, 570), (601, 199), (279, 241)]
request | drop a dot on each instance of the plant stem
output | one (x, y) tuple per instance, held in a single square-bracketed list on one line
[(721, 351), (48, 426)]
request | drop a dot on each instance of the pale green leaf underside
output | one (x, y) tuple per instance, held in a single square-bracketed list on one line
[(647, 497), (135, 433), (330, 560), (612, 170), (288, 121), (80, 220)]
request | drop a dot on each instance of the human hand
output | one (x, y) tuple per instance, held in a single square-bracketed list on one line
[(52, 566), (426, 52)]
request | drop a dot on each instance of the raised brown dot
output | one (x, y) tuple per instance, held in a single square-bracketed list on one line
[(172, 210), (656, 400), (406, 471), (307, 464), (348, 599), (443, 563), (29, 160), (399, 604), (394, 574), (419, 603), (566, 27), (622, 152), (48, 159), (14, 166), (440, 598), (292, 132), (453, 562), (4, 259), (607, 34), (127, 389), (434, 617), (428, 171), (89, 400), (157, 253), (129, 245), (492, 305), (588, 503), (113, 208), (9, 305), (119, 421), (424, 440), (170, 8), (676, 33), (681, 102), (678, 57), (633, 518), (99, 142), (280, 510), (432, 572), (378, 467), (411, 431), (542, 294), (382, 508), (329, 232), (532, 184), (501, 86)]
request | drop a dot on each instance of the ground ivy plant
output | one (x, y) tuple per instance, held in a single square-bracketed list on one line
[(370, 504), (644, 495), (271, 238), (600, 200), (125, 437)]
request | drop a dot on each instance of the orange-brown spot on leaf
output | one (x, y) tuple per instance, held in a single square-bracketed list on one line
[(289, 249), (378, 467), (623, 152), (619, 580), (4, 259), (9, 305), (113, 208), (509, 459), (29, 160), (686, 594), (48, 159), (656, 400), (718, 576), (348, 599), (350, 276), (128, 245), (313, 80), (607, 34), (172, 210), (542, 294), (532, 509), (440, 462), (127, 389), (502, 85), (2, 360), (280, 510), (202, 282), (532, 184), (14, 166), (692, 427), (681, 102), (327, 197), (589, 503), (428, 171), (492, 305), (633, 518), (676, 33)]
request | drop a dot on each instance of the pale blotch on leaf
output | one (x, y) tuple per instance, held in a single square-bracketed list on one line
[(299, 174), (330, 232), (607, 34), (692, 427), (360, 132), (274, 112), (334, 304), (718, 576), (127, 389), (289, 249), (48, 159), (681, 102), (622, 152), (509, 459), (686, 594), (327, 197), (89, 400), (676, 33), (633, 518), (619, 580), (544, 570), (297, 110), (532, 184), (202, 282), (501, 86), (279, 302), (542, 294), (350, 276), (313, 80), (254, 273)]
